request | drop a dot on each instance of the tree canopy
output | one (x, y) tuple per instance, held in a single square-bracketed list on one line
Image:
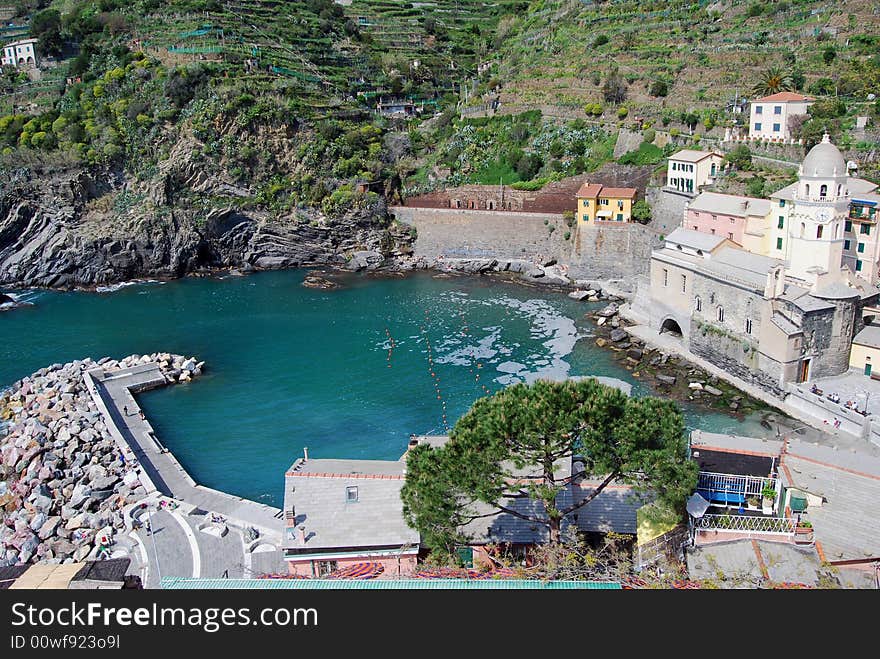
[(771, 81), (511, 445)]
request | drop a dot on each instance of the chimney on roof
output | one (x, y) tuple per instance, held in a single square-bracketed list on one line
[(301, 532), (305, 453)]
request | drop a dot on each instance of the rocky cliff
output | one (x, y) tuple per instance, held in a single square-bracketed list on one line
[(81, 228)]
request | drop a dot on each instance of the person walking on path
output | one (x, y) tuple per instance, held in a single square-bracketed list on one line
[(141, 412), (125, 410)]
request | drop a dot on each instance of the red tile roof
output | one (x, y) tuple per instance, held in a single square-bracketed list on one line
[(783, 97), (593, 190), (618, 193), (589, 191)]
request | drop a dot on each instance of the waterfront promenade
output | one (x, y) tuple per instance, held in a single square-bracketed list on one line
[(113, 394)]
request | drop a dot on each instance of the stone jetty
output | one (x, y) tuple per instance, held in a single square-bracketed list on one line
[(63, 479)]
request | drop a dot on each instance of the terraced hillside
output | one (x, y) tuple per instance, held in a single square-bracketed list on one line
[(705, 53)]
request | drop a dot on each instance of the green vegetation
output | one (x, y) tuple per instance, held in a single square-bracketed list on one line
[(646, 154), (638, 441), (641, 212), (280, 98), (520, 150), (772, 81)]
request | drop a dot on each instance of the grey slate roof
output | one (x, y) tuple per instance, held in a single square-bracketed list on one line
[(801, 298), (785, 324), (694, 239), (866, 196), (735, 442), (740, 266), (728, 204), (836, 291), (612, 510), (317, 490), (860, 186), (348, 467), (737, 562), (846, 523), (869, 336)]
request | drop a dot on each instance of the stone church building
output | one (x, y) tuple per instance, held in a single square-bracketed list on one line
[(768, 320)]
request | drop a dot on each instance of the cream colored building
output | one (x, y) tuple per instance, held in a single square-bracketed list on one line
[(688, 170), (865, 354), (19, 53), (827, 216), (768, 117)]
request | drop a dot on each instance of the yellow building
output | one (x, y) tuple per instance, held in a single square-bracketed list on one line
[(598, 204), (865, 352)]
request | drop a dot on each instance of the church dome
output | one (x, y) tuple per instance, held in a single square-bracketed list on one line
[(824, 161)]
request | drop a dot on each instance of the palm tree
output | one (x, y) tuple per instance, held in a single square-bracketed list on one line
[(773, 80)]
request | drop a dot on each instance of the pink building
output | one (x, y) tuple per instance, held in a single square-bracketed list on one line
[(724, 215)]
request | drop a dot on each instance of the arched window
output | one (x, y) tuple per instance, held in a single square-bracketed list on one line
[(838, 190), (698, 304), (720, 314), (807, 190), (823, 192), (803, 229)]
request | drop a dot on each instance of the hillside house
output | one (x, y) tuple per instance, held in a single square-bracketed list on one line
[(599, 204), (20, 53), (768, 118), (689, 170)]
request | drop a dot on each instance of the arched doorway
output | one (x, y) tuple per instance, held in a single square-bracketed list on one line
[(671, 326)]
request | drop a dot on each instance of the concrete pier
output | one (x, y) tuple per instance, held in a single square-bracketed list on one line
[(160, 470)]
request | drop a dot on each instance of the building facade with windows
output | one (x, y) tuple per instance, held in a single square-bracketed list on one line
[(601, 205), (753, 317), (688, 170), (826, 214), (768, 117), (737, 218), (19, 53)]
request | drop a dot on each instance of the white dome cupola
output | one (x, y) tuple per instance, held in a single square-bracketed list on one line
[(823, 175)]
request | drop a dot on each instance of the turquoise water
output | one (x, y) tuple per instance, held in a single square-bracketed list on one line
[(348, 373)]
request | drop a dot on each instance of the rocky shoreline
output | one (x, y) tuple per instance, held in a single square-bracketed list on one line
[(670, 375), (64, 483)]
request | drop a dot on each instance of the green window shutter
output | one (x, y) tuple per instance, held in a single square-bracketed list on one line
[(781, 222), (846, 244), (858, 266), (779, 243), (847, 226), (861, 249)]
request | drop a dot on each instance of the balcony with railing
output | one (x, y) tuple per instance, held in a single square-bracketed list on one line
[(862, 213), (732, 489), (746, 524), (738, 508)]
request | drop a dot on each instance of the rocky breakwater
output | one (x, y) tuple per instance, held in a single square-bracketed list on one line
[(63, 480)]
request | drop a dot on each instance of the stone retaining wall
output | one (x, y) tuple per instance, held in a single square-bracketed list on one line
[(590, 252)]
